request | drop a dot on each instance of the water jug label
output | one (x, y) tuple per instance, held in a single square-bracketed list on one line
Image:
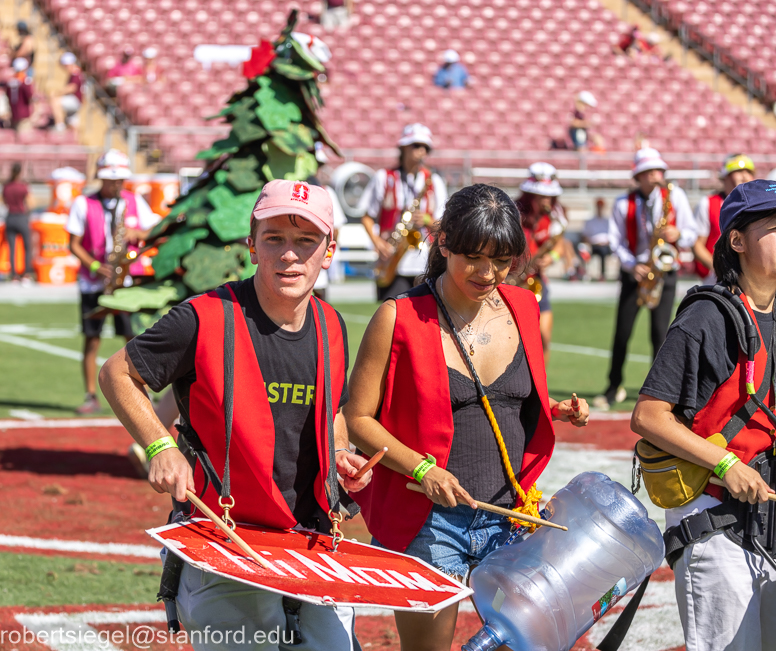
[(498, 600), (605, 603)]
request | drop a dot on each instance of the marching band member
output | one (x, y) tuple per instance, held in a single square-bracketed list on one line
[(631, 230), (389, 194), (736, 169), (92, 225), (417, 389), (544, 222), (703, 385), (280, 436)]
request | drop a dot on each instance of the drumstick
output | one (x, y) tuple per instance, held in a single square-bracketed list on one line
[(229, 532), (719, 482), (370, 464), (575, 405), (497, 509)]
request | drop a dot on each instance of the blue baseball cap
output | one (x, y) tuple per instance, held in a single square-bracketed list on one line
[(750, 201)]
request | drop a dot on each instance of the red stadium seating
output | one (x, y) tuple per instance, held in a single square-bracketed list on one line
[(527, 59)]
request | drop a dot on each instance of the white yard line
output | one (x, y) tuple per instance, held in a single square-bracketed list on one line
[(43, 347), (59, 423), (55, 544), (596, 352)]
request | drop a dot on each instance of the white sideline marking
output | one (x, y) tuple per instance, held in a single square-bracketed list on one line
[(25, 414), (55, 544), (57, 423), (596, 352), (43, 347), (56, 629)]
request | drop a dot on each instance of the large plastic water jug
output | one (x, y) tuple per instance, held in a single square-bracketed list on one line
[(542, 594)]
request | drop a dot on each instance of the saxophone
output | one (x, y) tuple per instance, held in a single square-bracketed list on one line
[(404, 237), (529, 278), (662, 259), (119, 257)]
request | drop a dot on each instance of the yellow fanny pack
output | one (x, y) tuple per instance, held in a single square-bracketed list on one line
[(669, 480)]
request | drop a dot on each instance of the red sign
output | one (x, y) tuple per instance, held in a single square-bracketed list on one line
[(304, 566)]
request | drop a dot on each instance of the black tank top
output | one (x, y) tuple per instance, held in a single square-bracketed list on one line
[(475, 459)]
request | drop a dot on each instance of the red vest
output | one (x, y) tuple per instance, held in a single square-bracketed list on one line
[(416, 410), (537, 234), (729, 397), (258, 499), (94, 231), (390, 211), (715, 203), (632, 224)]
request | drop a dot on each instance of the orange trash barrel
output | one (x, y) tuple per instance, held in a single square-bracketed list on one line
[(5, 258), (53, 239), (139, 184), (56, 271), (66, 184), (165, 189)]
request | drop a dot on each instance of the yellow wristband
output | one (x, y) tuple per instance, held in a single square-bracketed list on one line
[(157, 446), (423, 467), (725, 464)]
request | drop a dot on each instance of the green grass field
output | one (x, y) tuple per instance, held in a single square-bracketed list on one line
[(52, 386)]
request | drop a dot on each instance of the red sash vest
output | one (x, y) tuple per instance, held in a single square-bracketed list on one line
[(632, 223), (416, 410), (258, 499), (537, 234), (390, 211), (729, 397), (94, 231), (715, 204)]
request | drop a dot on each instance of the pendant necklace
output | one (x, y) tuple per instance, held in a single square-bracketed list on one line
[(468, 330)]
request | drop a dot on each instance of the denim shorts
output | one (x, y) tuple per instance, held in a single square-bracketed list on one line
[(454, 539)]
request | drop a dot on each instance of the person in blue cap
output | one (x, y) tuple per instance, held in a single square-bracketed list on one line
[(706, 382)]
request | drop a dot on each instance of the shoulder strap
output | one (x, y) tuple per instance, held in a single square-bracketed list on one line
[(616, 634), (631, 224), (226, 303)]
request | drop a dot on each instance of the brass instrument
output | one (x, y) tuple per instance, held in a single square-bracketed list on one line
[(404, 237), (662, 259), (529, 278), (119, 257)]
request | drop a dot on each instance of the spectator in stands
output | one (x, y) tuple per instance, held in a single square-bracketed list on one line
[(151, 71), (595, 237), (92, 225), (409, 186), (26, 47), (16, 197), (66, 102), (452, 73), (736, 169), (336, 13), (628, 42), (579, 124), (635, 215), (124, 71), (19, 91)]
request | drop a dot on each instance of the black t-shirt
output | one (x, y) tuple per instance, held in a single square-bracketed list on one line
[(164, 354), (700, 353)]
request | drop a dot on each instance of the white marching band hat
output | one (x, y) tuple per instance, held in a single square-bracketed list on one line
[(416, 133), (648, 159), (543, 180), (113, 165)]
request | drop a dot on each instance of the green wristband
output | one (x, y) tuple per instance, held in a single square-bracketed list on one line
[(96, 264), (725, 464), (157, 446), (423, 467)]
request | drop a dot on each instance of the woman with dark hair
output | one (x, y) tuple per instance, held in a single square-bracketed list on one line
[(708, 399), (16, 197), (450, 378)]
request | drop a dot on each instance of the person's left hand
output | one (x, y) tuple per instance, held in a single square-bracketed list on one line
[(349, 464), (542, 263), (564, 411), (419, 219), (670, 234)]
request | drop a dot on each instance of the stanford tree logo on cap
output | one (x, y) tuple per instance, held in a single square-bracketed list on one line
[(301, 192)]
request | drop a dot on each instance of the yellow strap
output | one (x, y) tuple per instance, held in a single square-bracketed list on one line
[(530, 501)]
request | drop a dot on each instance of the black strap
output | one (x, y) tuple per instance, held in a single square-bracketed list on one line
[(332, 485), (616, 634), (228, 307)]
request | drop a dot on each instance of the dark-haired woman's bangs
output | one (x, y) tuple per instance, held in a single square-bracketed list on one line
[(477, 236)]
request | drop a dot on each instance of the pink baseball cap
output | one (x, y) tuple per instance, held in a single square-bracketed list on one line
[(312, 202)]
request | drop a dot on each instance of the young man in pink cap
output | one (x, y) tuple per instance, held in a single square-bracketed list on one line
[(286, 450)]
